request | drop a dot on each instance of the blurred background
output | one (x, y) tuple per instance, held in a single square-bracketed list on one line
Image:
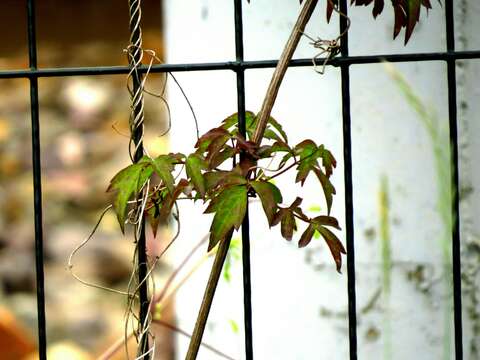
[(401, 183)]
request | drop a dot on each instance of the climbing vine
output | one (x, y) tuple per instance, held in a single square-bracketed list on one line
[(227, 166)]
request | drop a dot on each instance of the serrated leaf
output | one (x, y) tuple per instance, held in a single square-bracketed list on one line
[(126, 183), (334, 244), (270, 196), (167, 199), (279, 129), (328, 162), (205, 141), (328, 188), (271, 135), (194, 166), (306, 236), (308, 152), (220, 157), (163, 166), (229, 208), (213, 178)]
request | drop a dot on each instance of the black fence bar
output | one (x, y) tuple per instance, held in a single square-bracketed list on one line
[(233, 65), (450, 56), (347, 159), (247, 283), (37, 183), (452, 115)]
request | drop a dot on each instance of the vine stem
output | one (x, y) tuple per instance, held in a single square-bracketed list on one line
[(281, 69), (264, 114)]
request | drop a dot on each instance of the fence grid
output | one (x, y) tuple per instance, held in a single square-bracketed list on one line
[(239, 66)]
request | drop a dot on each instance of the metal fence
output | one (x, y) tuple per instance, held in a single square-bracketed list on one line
[(240, 66)]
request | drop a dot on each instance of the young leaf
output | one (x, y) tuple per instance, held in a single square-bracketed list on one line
[(326, 221), (328, 161), (308, 152), (270, 196), (163, 165), (218, 158), (327, 186), (127, 183), (306, 236), (334, 244), (213, 179), (206, 139), (194, 166), (229, 208), (214, 148), (279, 128), (288, 225)]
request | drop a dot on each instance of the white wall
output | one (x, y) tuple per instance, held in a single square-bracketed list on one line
[(299, 301)]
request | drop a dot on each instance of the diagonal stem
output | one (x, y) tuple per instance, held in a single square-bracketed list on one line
[(281, 69), (264, 114)]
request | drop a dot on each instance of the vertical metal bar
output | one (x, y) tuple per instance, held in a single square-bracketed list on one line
[(37, 183), (137, 136), (452, 113), (347, 156), (247, 286)]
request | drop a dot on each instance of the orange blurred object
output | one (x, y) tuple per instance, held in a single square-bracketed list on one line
[(15, 341)]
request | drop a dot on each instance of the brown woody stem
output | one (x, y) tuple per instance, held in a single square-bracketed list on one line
[(281, 69), (264, 114)]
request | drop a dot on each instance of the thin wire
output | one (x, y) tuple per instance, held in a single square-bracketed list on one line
[(331, 47)]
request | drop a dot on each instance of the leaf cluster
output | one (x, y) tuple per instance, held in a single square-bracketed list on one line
[(406, 12), (225, 189)]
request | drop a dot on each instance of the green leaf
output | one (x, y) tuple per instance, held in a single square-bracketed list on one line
[(328, 161), (229, 208), (306, 236), (327, 186), (163, 166), (308, 152), (270, 196), (334, 244), (279, 128), (194, 166), (126, 183)]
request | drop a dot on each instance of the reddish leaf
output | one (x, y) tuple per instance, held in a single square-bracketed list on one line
[(308, 152), (327, 221), (413, 15), (406, 13), (220, 157), (206, 139), (194, 165), (306, 236), (328, 161), (215, 146), (270, 196), (334, 244), (213, 178), (277, 218), (288, 225)]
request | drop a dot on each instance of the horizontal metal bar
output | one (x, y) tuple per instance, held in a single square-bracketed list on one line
[(237, 65)]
